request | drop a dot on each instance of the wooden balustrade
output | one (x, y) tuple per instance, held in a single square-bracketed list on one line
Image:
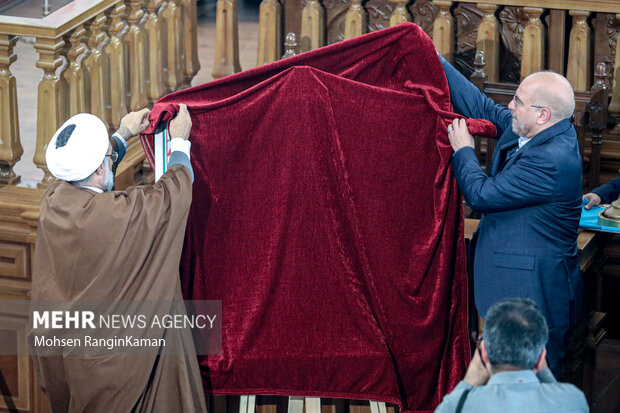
[(226, 39), (269, 17), (10, 147), (104, 57), (312, 26)]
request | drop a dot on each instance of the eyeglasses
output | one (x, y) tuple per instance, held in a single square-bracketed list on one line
[(519, 103), (113, 156)]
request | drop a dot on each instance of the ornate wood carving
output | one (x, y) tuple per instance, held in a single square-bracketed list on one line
[(355, 20), (10, 146), (336, 11), (50, 113), (153, 28), (597, 122), (468, 18), (513, 22), (614, 106), (578, 70), (269, 18), (606, 28), (115, 51), (312, 26), (379, 12), (443, 30), (424, 13)]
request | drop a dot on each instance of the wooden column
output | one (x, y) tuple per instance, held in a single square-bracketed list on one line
[(578, 71), (269, 28), (115, 51), (443, 30), (226, 39), (312, 26), (10, 146), (95, 71), (557, 40), (355, 20), (533, 43), (488, 41), (73, 75), (597, 122), (190, 38), (49, 100), (171, 17), (136, 53), (153, 28), (400, 13)]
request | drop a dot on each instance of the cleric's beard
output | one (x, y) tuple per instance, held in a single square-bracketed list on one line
[(109, 178)]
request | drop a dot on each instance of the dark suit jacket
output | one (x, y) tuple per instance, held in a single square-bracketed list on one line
[(527, 238), (609, 192)]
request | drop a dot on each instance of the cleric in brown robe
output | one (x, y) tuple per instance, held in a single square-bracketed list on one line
[(94, 243)]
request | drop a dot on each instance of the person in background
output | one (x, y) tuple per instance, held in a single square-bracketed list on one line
[(508, 372)]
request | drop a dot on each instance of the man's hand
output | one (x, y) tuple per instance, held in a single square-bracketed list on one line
[(593, 200), (477, 374), (181, 125), (459, 135), (133, 123)]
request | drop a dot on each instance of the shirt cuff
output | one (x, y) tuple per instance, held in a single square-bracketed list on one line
[(181, 145), (120, 138)]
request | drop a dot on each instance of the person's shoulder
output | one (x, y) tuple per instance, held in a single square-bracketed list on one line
[(567, 394)]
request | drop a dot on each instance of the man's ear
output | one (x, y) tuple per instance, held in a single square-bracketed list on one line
[(541, 360), (544, 117), (483, 353), (101, 169)]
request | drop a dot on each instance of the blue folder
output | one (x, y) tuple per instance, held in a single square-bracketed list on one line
[(589, 220)]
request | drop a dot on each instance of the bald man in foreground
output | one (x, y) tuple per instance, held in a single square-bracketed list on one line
[(526, 243)]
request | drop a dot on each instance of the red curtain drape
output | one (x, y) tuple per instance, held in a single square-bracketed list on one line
[(326, 219)]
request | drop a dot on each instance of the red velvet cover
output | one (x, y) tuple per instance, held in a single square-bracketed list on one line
[(326, 219)]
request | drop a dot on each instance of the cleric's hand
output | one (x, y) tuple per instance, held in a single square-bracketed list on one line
[(477, 374), (459, 135), (181, 125), (134, 123), (593, 200)]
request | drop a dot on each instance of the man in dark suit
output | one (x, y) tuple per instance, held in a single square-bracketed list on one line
[(526, 243)]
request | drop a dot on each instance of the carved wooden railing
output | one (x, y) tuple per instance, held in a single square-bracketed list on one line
[(516, 38), (106, 57)]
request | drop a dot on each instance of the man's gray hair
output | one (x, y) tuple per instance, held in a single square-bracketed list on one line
[(515, 333)]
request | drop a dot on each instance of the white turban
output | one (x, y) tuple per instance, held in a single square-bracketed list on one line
[(77, 148)]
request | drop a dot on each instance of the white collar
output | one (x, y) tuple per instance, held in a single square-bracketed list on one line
[(92, 188), (523, 141)]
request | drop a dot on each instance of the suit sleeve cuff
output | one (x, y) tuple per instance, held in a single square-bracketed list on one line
[(121, 139)]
